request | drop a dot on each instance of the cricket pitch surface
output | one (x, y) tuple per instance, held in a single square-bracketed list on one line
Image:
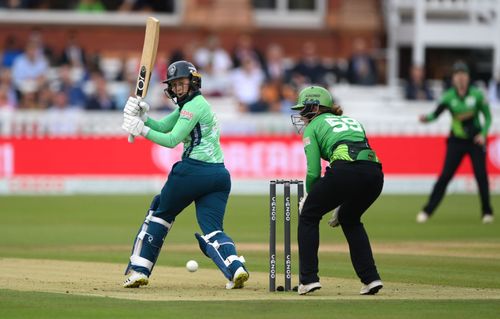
[(176, 283)]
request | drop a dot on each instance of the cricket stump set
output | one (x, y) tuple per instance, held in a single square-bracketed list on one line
[(287, 216)]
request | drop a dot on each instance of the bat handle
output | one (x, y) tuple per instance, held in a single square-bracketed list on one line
[(131, 138)]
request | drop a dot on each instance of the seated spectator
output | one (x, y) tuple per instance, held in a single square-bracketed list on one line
[(417, 88), (288, 98), (29, 69), (213, 84), (73, 53), (214, 54), (269, 99), (36, 37), (72, 88), (215, 64), (100, 100), (245, 48), (310, 67), (60, 119), (362, 69), (11, 51), (246, 82), (275, 68)]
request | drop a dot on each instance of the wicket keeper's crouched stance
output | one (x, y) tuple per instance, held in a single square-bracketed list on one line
[(352, 183), (200, 177)]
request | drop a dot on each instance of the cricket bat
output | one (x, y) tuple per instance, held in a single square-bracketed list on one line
[(147, 60)]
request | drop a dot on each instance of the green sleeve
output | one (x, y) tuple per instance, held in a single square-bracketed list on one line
[(179, 132), (485, 109), (313, 157), (434, 115), (164, 125)]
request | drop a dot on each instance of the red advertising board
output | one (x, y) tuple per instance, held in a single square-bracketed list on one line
[(245, 157)]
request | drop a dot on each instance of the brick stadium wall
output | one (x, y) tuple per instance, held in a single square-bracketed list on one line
[(345, 20)]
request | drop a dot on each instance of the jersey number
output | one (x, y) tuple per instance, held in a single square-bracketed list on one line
[(342, 124)]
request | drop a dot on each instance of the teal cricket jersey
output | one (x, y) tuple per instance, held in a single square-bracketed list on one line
[(195, 125), (331, 137), (464, 112)]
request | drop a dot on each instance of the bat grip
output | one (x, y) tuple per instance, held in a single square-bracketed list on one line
[(130, 136)]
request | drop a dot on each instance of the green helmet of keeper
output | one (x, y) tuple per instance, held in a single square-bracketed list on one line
[(313, 95)]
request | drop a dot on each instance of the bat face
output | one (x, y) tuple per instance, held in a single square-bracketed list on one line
[(148, 56), (147, 59)]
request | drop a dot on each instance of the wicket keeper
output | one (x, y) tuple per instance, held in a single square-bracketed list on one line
[(351, 185)]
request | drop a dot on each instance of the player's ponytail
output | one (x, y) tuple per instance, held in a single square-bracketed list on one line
[(337, 109)]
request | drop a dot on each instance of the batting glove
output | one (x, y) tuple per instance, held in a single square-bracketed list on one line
[(134, 125), (137, 107)]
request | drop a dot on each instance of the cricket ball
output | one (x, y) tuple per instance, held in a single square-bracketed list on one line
[(192, 266)]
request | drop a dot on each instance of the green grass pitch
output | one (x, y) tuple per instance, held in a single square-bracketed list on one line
[(420, 264)]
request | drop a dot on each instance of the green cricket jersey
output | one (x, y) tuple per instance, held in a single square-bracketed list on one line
[(195, 125), (465, 113), (331, 137)]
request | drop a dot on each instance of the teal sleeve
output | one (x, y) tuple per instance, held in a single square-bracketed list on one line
[(164, 125), (485, 109), (179, 132), (313, 157)]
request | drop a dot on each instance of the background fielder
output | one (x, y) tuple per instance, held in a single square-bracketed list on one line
[(200, 177), (467, 137)]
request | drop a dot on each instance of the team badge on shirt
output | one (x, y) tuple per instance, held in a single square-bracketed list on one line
[(186, 115), (306, 141), (470, 101)]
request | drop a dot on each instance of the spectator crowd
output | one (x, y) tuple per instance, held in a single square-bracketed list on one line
[(90, 5), (34, 76)]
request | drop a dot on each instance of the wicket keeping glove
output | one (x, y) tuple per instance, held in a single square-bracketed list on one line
[(334, 220), (134, 125), (137, 107), (301, 203)]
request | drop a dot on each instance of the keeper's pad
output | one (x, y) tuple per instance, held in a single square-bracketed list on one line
[(149, 241), (220, 248)]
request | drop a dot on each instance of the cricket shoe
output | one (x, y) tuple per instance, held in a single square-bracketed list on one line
[(239, 278), (334, 220), (422, 217), (488, 218), (135, 280), (305, 289), (372, 288)]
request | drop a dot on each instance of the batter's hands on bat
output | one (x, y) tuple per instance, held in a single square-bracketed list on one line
[(137, 107), (134, 125)]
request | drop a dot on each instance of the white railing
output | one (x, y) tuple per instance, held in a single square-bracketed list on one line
[(382, 111)]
